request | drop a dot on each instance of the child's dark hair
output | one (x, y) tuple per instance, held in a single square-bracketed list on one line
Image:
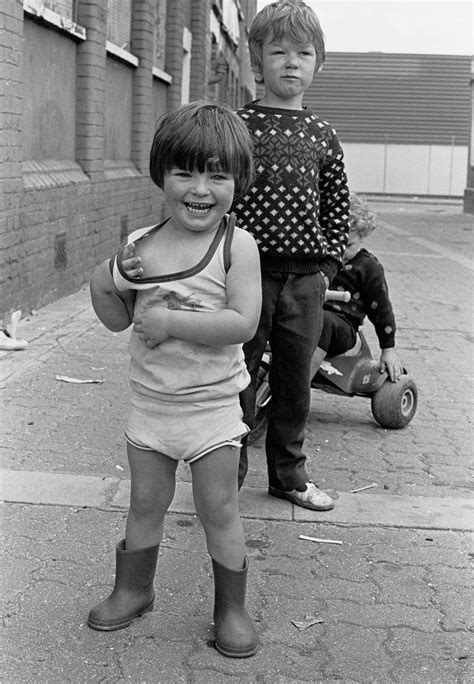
[(202, 136), (290, 19)]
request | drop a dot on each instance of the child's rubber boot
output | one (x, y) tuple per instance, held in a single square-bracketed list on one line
[(235, 632), (133, 593)]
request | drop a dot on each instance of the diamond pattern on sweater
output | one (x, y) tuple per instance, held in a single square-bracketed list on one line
[(298, 205)]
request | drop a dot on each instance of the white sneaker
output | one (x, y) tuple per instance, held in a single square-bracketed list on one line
[(312, 497)]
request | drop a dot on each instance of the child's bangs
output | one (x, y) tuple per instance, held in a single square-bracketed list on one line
[(207, 150)]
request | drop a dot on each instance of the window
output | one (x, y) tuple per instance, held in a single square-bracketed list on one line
[(119, 17)]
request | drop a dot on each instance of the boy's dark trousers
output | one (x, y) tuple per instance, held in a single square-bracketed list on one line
[(291, 320)]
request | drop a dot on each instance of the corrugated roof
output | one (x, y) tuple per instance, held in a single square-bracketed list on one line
[(395, 98)]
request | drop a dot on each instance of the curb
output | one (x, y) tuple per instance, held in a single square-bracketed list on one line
[(112, 494)]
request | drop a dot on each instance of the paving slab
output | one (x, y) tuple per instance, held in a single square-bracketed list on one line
[(19, 486)]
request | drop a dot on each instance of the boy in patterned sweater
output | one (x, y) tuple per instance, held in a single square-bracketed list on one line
[(297, 209), (364, 277)]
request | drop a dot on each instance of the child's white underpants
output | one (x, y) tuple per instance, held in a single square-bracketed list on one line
[(184, 430)]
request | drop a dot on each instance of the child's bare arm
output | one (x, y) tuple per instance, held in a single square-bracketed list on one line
[(235, 324), (114, 309)]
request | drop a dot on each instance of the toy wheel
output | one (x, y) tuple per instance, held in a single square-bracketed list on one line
[(263, 401), (394, 404)]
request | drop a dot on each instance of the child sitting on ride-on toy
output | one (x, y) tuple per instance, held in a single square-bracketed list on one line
[(364, 278)]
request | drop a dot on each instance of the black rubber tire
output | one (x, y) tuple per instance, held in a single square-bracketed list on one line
[(395, 403)]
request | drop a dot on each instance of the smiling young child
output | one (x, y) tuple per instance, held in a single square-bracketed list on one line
[(297, 208), (191, 287)]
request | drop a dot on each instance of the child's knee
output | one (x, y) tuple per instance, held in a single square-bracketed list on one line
[(219, 511), (144, 503)]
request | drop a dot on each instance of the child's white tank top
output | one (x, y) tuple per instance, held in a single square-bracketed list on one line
[(177, 370)]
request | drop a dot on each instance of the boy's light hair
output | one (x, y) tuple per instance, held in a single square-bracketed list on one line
[(362, 220), (290, 19), (203, 136)]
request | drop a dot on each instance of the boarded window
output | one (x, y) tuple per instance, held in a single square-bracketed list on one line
[(119, 18)]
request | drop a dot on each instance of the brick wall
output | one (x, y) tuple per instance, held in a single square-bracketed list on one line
[(142, 42), (174, 49), (11, 182), (65, 231), (200, 49), (59, 218)]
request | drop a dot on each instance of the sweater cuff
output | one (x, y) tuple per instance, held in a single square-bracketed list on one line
[(387, 341)]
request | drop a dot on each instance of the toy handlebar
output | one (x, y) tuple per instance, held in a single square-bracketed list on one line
[(338, 296)]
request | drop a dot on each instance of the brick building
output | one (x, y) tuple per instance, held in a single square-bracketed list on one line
[(84, 82)]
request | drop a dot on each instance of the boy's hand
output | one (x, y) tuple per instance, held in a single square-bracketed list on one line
[(389, 362), (130, 263), (151, 326)]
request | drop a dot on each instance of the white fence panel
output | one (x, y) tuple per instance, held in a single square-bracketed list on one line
[(407, 169)]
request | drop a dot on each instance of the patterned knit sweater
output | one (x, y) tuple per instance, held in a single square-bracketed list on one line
[(363, 276), (297, 208)]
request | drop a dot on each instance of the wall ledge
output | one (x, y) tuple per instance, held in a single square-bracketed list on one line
[(51, 173), (121, 54), (37, 10), (115, 169), (162, 75)]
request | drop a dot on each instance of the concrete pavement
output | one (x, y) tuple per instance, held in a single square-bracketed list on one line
[(394, 598)]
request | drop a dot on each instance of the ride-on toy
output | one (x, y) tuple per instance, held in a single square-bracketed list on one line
[(354, 373)]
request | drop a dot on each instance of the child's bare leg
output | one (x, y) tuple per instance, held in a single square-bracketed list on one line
[(153, 485), (152, 489), (216, 500), (318, 357)]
